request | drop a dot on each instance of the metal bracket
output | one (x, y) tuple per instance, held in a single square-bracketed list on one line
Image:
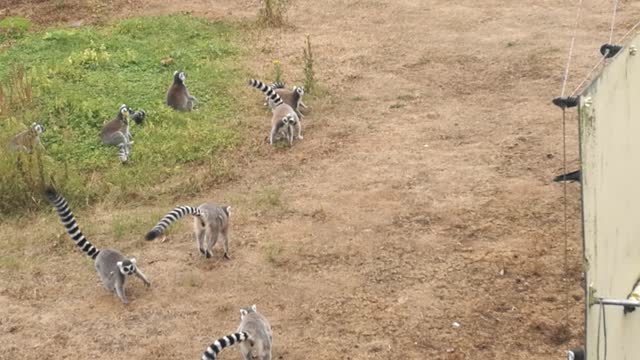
[(575, 354), (609, 50), (565, 102)]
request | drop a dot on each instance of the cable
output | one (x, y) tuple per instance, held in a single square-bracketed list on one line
[(613, 20), (573, 41)]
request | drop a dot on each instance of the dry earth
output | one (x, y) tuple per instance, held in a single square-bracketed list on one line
[(420, 196)]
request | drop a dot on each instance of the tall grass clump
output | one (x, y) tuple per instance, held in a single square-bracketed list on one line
[(277, 70), (273, 12), (307, 60), (73, 80)]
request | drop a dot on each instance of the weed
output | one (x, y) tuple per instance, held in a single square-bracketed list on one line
[(13, 27), (272, 253), (406, 97), (357, 98), (309, 75), (273, 12), (277, 70), (269, 198), (126, 227), (396, 106)]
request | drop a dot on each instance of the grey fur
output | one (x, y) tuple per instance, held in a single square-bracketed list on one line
[(292, 98), (28, 139), (260, 341), (116, 133), (178, 97), (280, 112), (111, 266), (285, 127), (210, 221), (113, 269)]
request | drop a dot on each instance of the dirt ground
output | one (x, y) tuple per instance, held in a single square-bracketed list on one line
[(420, 196)]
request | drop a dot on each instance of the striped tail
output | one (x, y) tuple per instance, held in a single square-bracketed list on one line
[(212, 351), (277, 85), (271, 94), (172, 216), (69, 222)]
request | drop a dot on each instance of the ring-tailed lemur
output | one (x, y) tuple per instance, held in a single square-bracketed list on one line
[(178, 96), (292, 98), (111, 266), (280, 110), (116, 133), (285, 127), (210, 221), (260, 339), (28, 139), (138, 116), (212, 351)]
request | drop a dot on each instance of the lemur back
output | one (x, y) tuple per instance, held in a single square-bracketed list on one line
[(178, 97), (280, 112), (28, 139), (210, 222), (292, 98), (260, 335), (111, 266)]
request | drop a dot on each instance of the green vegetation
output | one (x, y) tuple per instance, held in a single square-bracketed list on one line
[(13, 27), (73, 81), (277, 70), (309, 75)]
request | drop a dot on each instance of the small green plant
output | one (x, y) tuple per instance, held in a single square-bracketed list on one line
[(309, 75), (13, 27), (277, 70), (273, 12), (269, 198), (273, 252)]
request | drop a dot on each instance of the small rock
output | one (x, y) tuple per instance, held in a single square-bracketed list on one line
[(455, 324)]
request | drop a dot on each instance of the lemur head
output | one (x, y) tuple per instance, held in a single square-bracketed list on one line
[(179, 77), (245, 311), (299, 90), (123, 111), (138, 116), (38, 128), (127, 267)]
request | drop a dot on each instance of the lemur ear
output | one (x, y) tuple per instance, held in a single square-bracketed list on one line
[(253, 307), (133, 261), (243, 312), (119, 263)]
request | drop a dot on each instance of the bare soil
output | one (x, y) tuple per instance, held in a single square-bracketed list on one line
[(420, 196)]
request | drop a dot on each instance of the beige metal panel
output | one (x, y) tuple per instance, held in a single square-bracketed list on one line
[(610, 155)]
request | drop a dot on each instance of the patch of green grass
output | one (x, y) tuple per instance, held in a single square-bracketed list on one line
[(397, 106), (406, 97), (273, 253), (269, 198), (79, 78), (127, 228), (13, 27)]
